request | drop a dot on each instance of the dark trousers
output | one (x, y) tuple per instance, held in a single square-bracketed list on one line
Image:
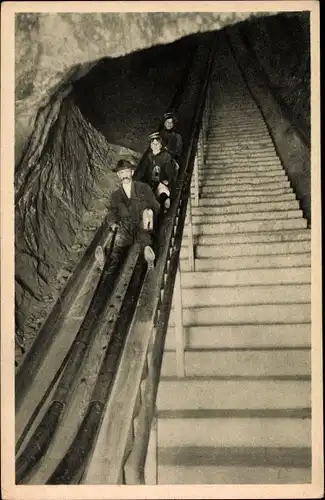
[(114, 262)]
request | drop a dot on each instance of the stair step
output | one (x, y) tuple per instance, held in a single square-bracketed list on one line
[(211, 199), (215, 168), (243, 154), (242, 162), (215, 147), (243, 393), (248, 226), (225, 251), (227, 121), (252, 177), (271, 236), (240, 295), (247, 314), (221, 192), (234, 432), (237, 140), (261, 143), (227, 337), (247, 262), (249, 216), (234, 121), (254, 180), (266, 188), (201, 467), (241, 363), (267, 146), (246, 277), (245, 208), (250, 133)]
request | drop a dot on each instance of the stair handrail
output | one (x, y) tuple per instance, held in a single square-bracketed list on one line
[(125, 431)]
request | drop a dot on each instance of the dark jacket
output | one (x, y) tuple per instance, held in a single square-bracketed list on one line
[(127, 213), (154, 169), (172, 142)]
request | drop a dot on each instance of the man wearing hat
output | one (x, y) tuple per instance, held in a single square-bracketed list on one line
[(158, 170), (133, 209), (172, 141)]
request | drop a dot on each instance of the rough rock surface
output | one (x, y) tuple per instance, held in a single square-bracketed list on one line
[(55, 48), (282, 47)]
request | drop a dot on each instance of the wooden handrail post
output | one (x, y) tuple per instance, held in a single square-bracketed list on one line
[(191, 260), (201, 146), (179, 334), (151, 466), (196, 181)]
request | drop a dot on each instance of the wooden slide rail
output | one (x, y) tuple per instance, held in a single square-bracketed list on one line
[(122, 443)]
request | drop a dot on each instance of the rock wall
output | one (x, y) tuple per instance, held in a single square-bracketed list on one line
[(290, 147), (281, 45)]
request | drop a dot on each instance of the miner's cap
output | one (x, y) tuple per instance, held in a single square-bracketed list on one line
[(169, 115), (154, 135)]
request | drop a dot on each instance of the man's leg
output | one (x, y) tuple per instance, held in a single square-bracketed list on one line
[(113, 265)]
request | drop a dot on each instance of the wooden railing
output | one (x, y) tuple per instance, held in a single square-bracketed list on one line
[(129, 420)]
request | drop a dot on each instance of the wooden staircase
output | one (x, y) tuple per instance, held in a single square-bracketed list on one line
[(242, 413)]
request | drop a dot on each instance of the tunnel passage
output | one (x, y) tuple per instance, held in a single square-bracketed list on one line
[(109, 111)]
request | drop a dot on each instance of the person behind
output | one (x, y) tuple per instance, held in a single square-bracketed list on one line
[(132, 212), (157, 169), (172, 141)]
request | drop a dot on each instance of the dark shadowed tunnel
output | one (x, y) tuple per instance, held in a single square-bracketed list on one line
[(64, 187)]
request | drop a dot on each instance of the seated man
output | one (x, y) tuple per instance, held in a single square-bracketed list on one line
[(172, 141), (132, 211), (157, 169)]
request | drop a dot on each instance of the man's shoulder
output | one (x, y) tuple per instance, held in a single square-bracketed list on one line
[(141, 187), (116, 193), (166, 155)]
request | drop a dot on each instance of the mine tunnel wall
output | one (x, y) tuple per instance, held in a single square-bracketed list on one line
[(110, 111), (276, 67)]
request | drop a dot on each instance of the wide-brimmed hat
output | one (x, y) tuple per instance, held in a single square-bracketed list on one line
[(154, 135), (123, 165)]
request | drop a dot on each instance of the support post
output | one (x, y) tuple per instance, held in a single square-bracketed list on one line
[(179, 334), (207, 111), (201, 154), (196, 181), (151, 466), (191, 260)]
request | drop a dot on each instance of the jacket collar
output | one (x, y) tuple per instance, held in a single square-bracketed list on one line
[(133, 192)]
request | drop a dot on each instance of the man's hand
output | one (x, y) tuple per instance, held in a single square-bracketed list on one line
[(149, 256), (114, 227)]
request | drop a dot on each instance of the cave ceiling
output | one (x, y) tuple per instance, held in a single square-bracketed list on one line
[(53, 49)]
